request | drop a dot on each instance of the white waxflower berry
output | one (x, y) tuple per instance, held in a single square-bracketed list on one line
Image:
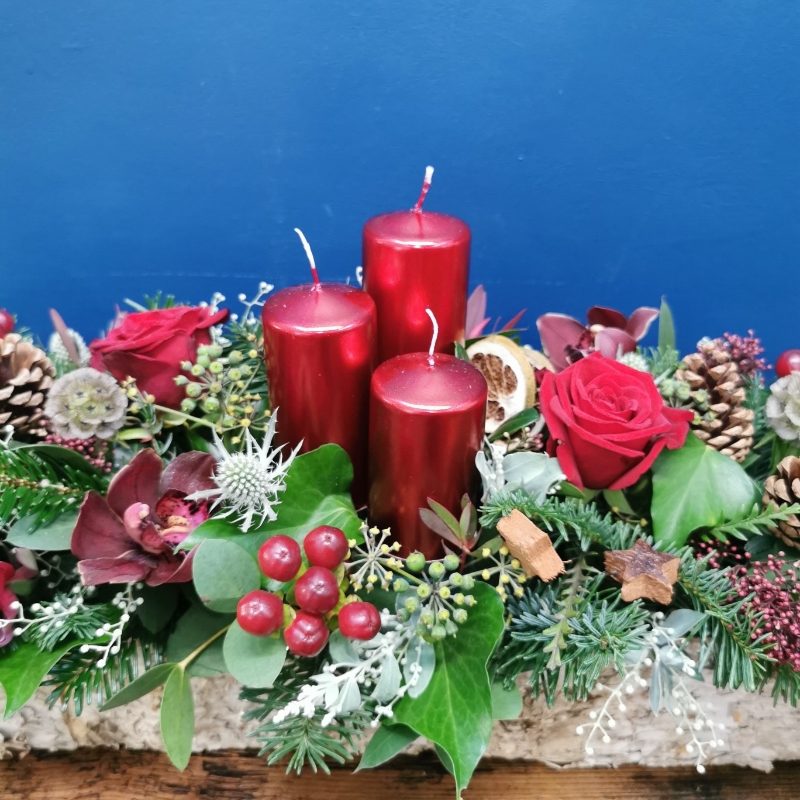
[(248, 482), (86, 403)]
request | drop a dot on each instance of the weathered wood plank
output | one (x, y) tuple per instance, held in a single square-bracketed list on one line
[(234, 775)]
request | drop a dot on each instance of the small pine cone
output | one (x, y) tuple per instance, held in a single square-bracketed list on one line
[(717, 395), (782, 490), (26, 375)]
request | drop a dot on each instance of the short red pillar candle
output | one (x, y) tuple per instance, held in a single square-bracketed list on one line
[(415, 260), (319, 344), (426, 427)]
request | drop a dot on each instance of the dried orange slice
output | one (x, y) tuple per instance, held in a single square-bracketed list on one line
[(509, 375)]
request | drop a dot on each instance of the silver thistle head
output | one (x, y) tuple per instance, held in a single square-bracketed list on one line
[(86, 403), (58, 352), (783, 407), (249, 482)]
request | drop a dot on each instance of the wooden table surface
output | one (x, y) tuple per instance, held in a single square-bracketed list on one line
[(233, 775)]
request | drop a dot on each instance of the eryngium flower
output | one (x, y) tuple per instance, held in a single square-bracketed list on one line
[(783, 407), (58, 351), (86, 403)]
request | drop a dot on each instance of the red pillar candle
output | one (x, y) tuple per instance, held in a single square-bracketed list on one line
[(425, 428), (319, 343), (415, 260)]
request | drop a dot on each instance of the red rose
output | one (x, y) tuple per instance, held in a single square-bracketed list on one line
[(149, 346), (608, 422)]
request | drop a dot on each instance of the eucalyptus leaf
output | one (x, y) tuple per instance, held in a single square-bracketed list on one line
[(143, 685), (655, 691), (195, 630), (53, 535), (317, 493), (389, 681), (350, 697), (254, 661), (506, 703), (177, 718), (536, 473), (387, 742), (159, 605), (422, 652), (697, 487), (683, 620), (342, 650), (455, 712), (223, 573)]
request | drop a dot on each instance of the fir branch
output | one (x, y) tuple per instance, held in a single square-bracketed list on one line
[(304, 739), (661, 363), (752, 523), (41, 488), (787, 685), (247, 337), (81, 622), (726, 630), (78, 677)]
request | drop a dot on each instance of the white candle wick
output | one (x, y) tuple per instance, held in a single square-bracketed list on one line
[(426, 184), (434, 337), (309, 254)]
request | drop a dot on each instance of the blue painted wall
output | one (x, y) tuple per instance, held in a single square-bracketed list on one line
[(602, 152)]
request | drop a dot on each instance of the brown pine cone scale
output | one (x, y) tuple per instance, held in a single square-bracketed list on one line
[(26, 374), (782, 490)]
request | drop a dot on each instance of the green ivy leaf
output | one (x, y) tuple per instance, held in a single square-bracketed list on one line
[(177, 718), (387, 742), (195, 628), (506, 703), (143, 685), (455, 711), (317, 493), (223, 574), (697, 487), (53, 535), (22, 671), (254, 661)]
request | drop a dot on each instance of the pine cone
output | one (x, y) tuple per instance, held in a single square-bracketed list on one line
[(716, 393), (781, 490), (26, 373)]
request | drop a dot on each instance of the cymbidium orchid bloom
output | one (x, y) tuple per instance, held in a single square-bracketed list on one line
[(131, 534), (610, 332)]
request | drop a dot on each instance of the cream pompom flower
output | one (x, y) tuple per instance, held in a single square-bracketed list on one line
[(783, 407), (248, 482), (86, 403)]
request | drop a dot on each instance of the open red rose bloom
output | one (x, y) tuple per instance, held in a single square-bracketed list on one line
[(131, 534), (608, 422), (149, 346)]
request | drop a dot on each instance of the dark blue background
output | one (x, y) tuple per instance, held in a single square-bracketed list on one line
[(602, 152)]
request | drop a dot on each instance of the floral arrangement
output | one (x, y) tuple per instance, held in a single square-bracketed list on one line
[(637, 523)]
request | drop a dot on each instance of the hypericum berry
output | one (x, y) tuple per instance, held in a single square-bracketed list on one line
[(280, 558), (317, 591), (260, 613), (359, 621), (416, 562), (307, 635), (325, 546), (6, 323), (787, 363)]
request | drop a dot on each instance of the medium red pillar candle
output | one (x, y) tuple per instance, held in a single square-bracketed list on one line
[(425, 429), (319, 343), (415, 260)]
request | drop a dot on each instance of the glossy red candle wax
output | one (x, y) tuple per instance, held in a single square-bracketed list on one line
[(426, 427), (415, 260), (319, 342)]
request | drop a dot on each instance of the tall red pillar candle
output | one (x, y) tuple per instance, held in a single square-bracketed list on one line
[(426, 427), (415, 260), (319, 343)]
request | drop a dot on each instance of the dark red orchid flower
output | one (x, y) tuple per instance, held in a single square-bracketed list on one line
[(610, 332), (130, 535), (9, 605)]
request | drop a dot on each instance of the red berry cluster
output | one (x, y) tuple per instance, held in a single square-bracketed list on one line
[(316, 593), (96, 451), (745, 351)]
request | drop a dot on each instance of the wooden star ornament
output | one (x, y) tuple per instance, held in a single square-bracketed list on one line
[(643, 572)]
